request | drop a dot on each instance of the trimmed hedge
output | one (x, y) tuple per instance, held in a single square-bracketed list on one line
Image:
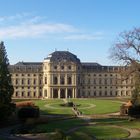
[(134, 111), (28, 112), (24, 104)]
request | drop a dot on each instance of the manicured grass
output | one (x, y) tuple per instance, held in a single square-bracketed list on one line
[(101, 106), (46, 107), (86, 106), (100, 132), (61, 124), (135, 124), (130, 124)]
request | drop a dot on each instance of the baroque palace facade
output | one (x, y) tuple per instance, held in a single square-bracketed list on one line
[(62, 75)]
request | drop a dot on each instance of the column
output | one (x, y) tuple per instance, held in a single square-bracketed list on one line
[(66, 93), (52, 93), (59, 93), (73, 79), (66, 79), (59, 80), (73, 93)]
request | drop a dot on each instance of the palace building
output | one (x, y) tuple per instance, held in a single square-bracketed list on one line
[(63, 75)]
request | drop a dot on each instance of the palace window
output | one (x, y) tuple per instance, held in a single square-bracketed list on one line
[(105, 81), (62, 80), (34, 94), (110, 93), (94, 93), (16, 81), (40, 94), (55, 67), (69, 67), (69, 80), (45, 80), (34, 81), (22, 81), (40, 81), (28, 94), (22, 93), (28, 81), (55, 80), (16, 93), (88, 81), (100, 81), (100, 93)]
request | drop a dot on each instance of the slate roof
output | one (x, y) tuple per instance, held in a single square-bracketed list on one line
[(63, 56)]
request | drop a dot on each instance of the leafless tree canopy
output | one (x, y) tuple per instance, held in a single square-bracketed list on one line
[(127, 47), (127, 51)]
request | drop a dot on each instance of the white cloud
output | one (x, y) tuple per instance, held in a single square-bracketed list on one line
[(25, 25), (84, 37), (34, 30)]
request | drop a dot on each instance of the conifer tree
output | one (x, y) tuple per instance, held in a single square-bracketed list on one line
[(6, 88)]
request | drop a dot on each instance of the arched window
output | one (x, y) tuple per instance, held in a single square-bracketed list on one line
[(62, 80), (69, 80), (55, 80)]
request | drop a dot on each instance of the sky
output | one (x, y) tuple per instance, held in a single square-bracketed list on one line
[(32, 29)]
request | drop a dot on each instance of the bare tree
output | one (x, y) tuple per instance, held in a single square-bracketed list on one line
[(126, 51)]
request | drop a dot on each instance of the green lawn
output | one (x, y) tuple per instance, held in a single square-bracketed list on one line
[(135, 124), (87, 106), (61, 124), (101, 106), (46, 107), (103, 129), (100, 132)]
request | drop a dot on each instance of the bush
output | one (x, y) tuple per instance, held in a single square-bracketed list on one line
[(24, 104), (134, 111), (67, 104), (6, 110), (28, 112)]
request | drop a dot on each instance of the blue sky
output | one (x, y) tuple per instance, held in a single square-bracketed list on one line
[(31, 29)]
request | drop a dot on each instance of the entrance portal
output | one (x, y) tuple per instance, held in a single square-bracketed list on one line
[(69, 93)]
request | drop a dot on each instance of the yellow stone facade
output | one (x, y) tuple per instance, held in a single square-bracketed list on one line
[(62, 75)]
